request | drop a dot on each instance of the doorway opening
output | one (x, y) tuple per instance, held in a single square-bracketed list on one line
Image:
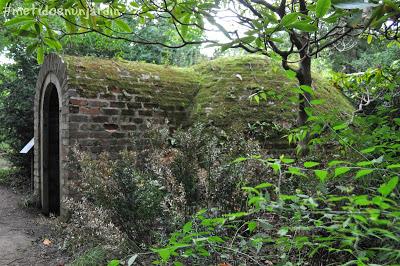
[(51, 151)]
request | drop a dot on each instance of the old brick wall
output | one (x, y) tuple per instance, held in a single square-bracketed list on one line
[(111, 121)]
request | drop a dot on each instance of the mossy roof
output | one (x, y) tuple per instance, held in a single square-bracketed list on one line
[(165, 85), (227, 83), (216, 91)]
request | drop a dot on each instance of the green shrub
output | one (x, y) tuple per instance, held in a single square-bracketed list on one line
[(298, 229), (132, 198), (200, 160)]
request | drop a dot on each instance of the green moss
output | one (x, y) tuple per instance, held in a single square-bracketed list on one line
[(163, 84), (215, 92), (227, 83)]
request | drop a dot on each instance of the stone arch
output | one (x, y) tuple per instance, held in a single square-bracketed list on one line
[(50, 131)]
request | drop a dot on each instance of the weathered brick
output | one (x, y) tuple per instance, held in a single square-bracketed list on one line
[(107, 96), (90, 111), (73, 126), (117, 135), (91, 127), (145, 113), (100, 118), (134, 105), (122, 141), (111, 111), (89, 142), (73, 109), (142, 99), (128, 127), (96, 103), (118, 104), (99, 134), (79, 135), (78, 118), (78, 102), (151, 105), (128, 112), (110, 127), (136, 120)]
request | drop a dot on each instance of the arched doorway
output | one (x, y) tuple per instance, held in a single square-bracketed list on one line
[(50, 152)]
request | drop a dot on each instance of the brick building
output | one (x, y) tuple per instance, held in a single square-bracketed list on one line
[(101, 105)]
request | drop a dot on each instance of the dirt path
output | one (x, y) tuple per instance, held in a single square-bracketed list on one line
[(22, 234)]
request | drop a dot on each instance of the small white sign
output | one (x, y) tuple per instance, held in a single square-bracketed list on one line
[(28, 146)]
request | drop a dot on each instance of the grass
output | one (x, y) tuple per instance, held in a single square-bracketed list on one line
[(6, 176), (92, 257), (4, 164)]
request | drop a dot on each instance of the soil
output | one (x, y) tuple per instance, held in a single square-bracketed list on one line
[(23, 234)]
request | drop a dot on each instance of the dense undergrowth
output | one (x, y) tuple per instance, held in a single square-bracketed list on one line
[(201, 196)]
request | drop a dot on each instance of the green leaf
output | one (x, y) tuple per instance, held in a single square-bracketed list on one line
[(393, 166), (362, 200), (307, 89), (53, 44), (263, 185), (296, 171), (368, 150), (18, 20), (40, 55), (317, 102), (321, 174), (283, 231), (114, 263), (341, 126), (287, 160), (289, 18), (215, 239), (364, 163), (164, 253), (369, 39), (122, 25), (31, 48), (341, 170), (240, 159), (247, 39), (290, 74), (185, 27), (335, 162), (304, 26), (187, 227), (364, 172), (386, 188), (310, 164), (322, 8), (252, 225)]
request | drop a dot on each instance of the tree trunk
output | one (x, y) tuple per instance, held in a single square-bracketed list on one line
[(304, 78)]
